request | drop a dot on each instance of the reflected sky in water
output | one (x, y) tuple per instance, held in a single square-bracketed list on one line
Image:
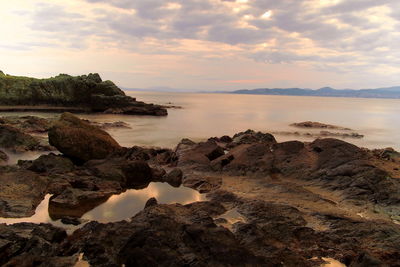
[(119, 207), (125, 205), (207, 115)]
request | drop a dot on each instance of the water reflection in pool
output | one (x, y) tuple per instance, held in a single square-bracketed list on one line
[(118, 207), (125, 205)]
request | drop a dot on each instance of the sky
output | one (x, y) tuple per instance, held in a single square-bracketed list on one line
[(206, 44)]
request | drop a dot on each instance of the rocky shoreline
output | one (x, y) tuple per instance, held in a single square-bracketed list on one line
[(65, 93), (268, 203)]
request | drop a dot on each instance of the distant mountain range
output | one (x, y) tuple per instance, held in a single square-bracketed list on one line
[(388, 92)]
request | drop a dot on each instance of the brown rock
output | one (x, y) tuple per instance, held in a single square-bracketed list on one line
[(81, 141)]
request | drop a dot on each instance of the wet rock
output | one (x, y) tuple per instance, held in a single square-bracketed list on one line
[(251, 137), (3, 157), (33, 124), (28, 244), (129, 173), (151, 202), (317, 125), (139, 108), (200, 154), (174, 177), (246, 158), (71, 220), (74, 202), (14, 139), (202, 183), (171, 235), (50, 163), (20, 192), (81, 141)]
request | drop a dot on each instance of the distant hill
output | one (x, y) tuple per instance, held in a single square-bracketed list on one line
[(388, 92)]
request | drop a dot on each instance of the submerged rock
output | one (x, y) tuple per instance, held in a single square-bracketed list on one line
[(79, 140), (318, 125)]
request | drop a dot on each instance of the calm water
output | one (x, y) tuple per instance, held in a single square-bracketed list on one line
[(119, 207), (206, 115)]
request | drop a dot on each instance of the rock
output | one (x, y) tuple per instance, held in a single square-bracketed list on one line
[(16, 140), (151, 202), (200, 154), (75, 202), (129, 173), (203, 184), (170, 235), (245, 159), (81, 141), (3, 157), (71, 220), (21, 191), (174, 177), (60, 90), (317, 125), (251, 137), (28, 244), (33, 124), (81, 93), (50, 163), (139, 108)]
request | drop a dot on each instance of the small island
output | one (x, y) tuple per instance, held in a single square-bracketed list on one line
[(78, 94)]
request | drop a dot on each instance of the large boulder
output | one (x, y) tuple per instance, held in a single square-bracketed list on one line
[(81, 141)]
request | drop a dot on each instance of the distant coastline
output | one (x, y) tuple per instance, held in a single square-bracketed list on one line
[(388, 92)]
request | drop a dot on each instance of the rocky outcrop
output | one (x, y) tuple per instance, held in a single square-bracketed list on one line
[(269, 204), (80, 140), (28, 244), (86, 92)]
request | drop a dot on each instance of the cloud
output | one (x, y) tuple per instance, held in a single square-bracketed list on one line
[(321, 34)]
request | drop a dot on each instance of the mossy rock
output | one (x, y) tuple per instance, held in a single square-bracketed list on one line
[(62, 90)]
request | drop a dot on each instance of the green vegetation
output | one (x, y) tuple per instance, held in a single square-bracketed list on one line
[(60, 90)]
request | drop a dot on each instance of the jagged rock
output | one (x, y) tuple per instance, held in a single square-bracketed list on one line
[(170, 235), (174, 177), (16, 140), (79, 140), (129, 173), (251, 137), (28, 244), (200, 154), (50, 163), (20, 192), (151, 202)]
